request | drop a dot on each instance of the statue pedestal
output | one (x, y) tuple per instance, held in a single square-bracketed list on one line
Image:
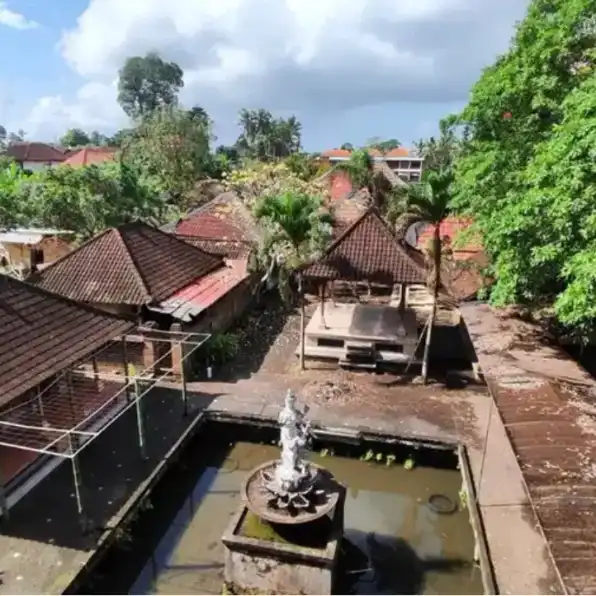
[(269, 566)]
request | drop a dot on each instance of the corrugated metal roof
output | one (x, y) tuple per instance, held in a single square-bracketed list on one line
[(195, 298), (20, 238)]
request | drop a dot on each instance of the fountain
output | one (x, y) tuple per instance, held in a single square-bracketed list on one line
[(285, 537)]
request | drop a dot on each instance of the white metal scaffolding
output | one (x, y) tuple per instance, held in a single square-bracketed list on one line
[(48, 424)]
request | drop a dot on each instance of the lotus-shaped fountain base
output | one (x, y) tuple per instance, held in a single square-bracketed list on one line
[(315, 496)]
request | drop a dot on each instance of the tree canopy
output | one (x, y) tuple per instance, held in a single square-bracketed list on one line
[(527, 169), (146, 83)]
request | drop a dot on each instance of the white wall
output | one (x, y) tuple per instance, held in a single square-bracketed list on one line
[(38, 166)]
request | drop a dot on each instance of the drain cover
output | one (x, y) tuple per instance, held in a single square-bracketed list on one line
[(442, 504)]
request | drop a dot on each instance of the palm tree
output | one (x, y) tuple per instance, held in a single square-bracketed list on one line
[(428, 202), (299, 228)]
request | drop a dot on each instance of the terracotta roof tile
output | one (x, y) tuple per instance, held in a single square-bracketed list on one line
[(90, 155), (399, 152), (336, 153), (43, 333), (229, 249), (41, 152), (134, 264), (223, 218), (368, 250), (450, 228)]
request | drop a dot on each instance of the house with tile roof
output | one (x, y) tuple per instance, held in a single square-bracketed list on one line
[(141, 271), (34, 156), (222, 226), (44, 335), (87, 156)]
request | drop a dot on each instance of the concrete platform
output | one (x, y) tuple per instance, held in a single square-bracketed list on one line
[(385, 332)]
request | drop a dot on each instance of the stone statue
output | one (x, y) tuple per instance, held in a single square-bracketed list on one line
[(292, 480)]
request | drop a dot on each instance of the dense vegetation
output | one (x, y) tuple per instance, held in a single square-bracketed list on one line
[(519, 160)]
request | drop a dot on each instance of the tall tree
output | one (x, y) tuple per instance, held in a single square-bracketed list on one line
[(429, 202), (264, 137), (524, 112), (97, 139), (297, 227), (382, 145), (147, 83), (442, 152), (347, 147), (3, 135), (75, 137), (172, 149)]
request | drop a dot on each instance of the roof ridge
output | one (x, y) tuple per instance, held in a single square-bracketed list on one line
[(60, 298), (133, 262)]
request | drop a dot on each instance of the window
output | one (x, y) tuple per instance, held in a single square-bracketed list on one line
[(415, 165), (415, 177), (36, 257)]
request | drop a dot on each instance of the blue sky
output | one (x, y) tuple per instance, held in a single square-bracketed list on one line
[(375, 68)]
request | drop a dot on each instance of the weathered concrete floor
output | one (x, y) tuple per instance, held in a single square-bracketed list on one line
[(42, 547)]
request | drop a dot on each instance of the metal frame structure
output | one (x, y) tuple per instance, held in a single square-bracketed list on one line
[(69, 442)]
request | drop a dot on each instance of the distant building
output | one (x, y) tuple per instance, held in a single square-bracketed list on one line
[(406, 163), (90, 156), (27, 249), (35, 157)]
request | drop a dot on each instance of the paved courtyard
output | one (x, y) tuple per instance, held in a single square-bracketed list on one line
[(267, 366)]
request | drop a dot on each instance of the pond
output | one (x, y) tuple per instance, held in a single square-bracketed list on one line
[(395, 541)]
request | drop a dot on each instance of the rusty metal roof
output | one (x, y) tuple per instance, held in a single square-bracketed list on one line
[(43, 334), (229, 249), (133, 264), (548, 405), (368, 250)]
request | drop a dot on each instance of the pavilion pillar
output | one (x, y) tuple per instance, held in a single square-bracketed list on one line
[(322, 293), (302, 316)]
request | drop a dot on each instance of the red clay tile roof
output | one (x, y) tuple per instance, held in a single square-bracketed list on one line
[(450, 227), (398, 152), (229, 249), (336, 153), (134, 264), (368, 250), (40, 152), (223, 218), (90, 155), (43, 333)]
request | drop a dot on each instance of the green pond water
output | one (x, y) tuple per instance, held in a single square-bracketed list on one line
[(394, 542)]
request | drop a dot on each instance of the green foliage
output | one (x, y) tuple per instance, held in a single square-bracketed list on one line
[(303, 165), (265, 138), (441, 153), (87, 200), (527, 170), (382, 146), (147, 83), (75, 137), (171, 147), (297, 228), (222, 348), (14, 208)]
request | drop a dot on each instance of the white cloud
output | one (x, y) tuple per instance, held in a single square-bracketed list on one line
[(13, 19), (308, 56)]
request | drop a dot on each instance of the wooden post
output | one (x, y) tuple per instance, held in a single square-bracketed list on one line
[(126, 371), (322, 293), (95, 368), (140, 424), (301, 294)]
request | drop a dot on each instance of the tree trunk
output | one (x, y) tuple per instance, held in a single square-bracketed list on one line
[(435, 295), (302, 316)]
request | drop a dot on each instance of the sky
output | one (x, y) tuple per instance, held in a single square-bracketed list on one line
[(349, 70)]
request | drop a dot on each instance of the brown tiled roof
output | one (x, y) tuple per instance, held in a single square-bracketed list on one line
[(134, 264), (223, 218), (43, 333), (35, 152), (368, 250), (229, 249)]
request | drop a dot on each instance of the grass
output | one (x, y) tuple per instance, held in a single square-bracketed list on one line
[(312, 535)]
